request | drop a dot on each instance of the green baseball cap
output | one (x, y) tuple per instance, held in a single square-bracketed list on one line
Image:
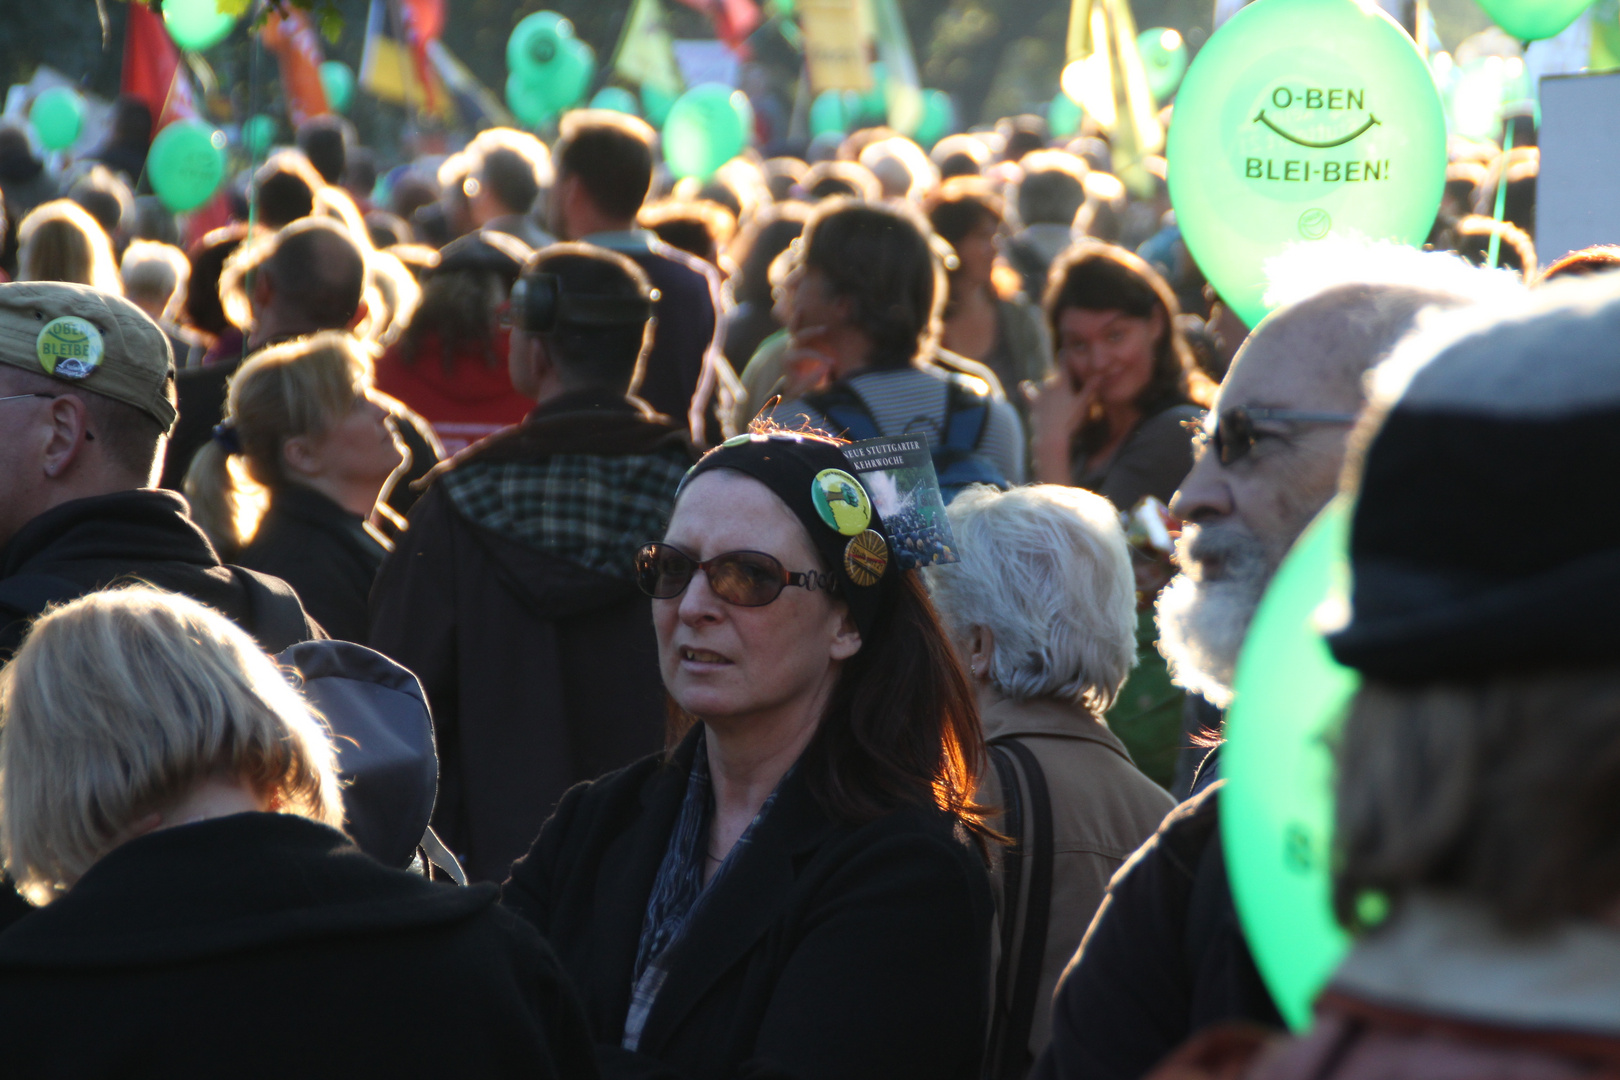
[(88, 338)]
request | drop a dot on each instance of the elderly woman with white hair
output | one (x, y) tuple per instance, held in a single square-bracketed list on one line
[(169, 801), (1042, 611)]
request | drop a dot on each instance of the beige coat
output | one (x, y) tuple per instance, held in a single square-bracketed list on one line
[(1103, 809)]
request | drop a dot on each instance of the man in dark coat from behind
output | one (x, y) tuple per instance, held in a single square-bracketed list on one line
[(604, 164), (512, 595)]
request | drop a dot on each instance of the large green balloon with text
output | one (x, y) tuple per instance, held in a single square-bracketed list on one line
[(1300, 120), (1289, 696)]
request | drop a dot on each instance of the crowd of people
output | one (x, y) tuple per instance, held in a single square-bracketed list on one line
[(719, 786)]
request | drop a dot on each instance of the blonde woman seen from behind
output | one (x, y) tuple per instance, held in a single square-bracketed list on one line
[(59, 241), (170, 801), (307, 443), (1042, 611)]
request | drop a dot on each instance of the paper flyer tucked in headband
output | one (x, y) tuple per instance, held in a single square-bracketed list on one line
[(899, 476)]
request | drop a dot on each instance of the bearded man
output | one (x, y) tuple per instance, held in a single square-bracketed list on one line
[(1165, 955)]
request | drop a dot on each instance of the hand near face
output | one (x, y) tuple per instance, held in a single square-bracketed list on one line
[(1057, 408)]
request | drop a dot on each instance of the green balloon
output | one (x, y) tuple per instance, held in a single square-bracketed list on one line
[(1064, 115), (616, 99), (186, 164), (655, 104), (828, 115), (58, 117), (939, 117), (1299, 120), (196, 24), (1277, 808), (258, 133), (536, 41), (571, 74), (338, 82), (1532, 20), (708, 126), (1164, 59), (527, 101), (875, 102)]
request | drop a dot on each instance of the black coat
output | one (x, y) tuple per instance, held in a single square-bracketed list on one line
[(265, 945), (829, 951), (146, 535), (1164, 958), (324, 552), (541, 672)]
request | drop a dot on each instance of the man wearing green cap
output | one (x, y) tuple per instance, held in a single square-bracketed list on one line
[(87, 389)]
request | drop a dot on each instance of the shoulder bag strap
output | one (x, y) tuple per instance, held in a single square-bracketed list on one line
[(1012, 870), (1014, 1049)]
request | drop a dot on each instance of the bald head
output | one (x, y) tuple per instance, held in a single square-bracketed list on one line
[(316, 276), (1316, 353)]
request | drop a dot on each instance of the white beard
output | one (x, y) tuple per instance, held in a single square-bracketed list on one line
[(1205, 611)]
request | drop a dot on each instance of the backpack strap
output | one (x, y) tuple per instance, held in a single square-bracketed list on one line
[(1020, 985), (967, 414), (275, 617), (846, 412)]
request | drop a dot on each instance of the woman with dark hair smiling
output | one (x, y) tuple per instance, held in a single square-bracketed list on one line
[(1113, 417), (791, 889)]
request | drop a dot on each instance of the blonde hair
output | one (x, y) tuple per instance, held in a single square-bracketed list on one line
[(1044, 568), (121, 702), (300, 388), (59, 241)]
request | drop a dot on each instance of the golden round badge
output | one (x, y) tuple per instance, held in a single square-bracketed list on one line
[(841, 501), (866, 557), (69, 347)]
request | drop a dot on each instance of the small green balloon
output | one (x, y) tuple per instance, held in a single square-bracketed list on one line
[(1533, 20), (875, 102), (1289, 697), (527, 101), (938, 119), (258, 133), (708, 126), (536, 40), (338, 82), (616, 99), (1299, 120), (571, 74), (1064, 115), (827, 114), (58, 117), (196, 25), (1164, 60), (186, 164)]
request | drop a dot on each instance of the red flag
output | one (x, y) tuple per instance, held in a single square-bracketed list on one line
[(423, 23), (733, 20), (152, 69), (298, 55)]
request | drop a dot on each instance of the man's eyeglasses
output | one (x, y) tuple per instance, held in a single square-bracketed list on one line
[(1235, 433), (19, 397), (741, 578)]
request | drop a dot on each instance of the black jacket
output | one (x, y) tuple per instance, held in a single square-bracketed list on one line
[(541, 672), (144, 535), (324, 552), (1164, 958), (266, 945), (829, 951)]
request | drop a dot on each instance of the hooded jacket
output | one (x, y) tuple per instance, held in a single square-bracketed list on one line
[(143, 535), (512, 597), (267, 945)]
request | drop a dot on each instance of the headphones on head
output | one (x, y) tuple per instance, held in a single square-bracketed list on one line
[(541, 305)]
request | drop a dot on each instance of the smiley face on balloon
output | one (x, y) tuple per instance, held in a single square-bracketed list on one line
[(1300, 120)]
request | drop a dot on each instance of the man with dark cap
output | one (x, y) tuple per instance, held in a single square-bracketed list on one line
[(88, 384), (512, 595), (1165, 956), (1477, 770)]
